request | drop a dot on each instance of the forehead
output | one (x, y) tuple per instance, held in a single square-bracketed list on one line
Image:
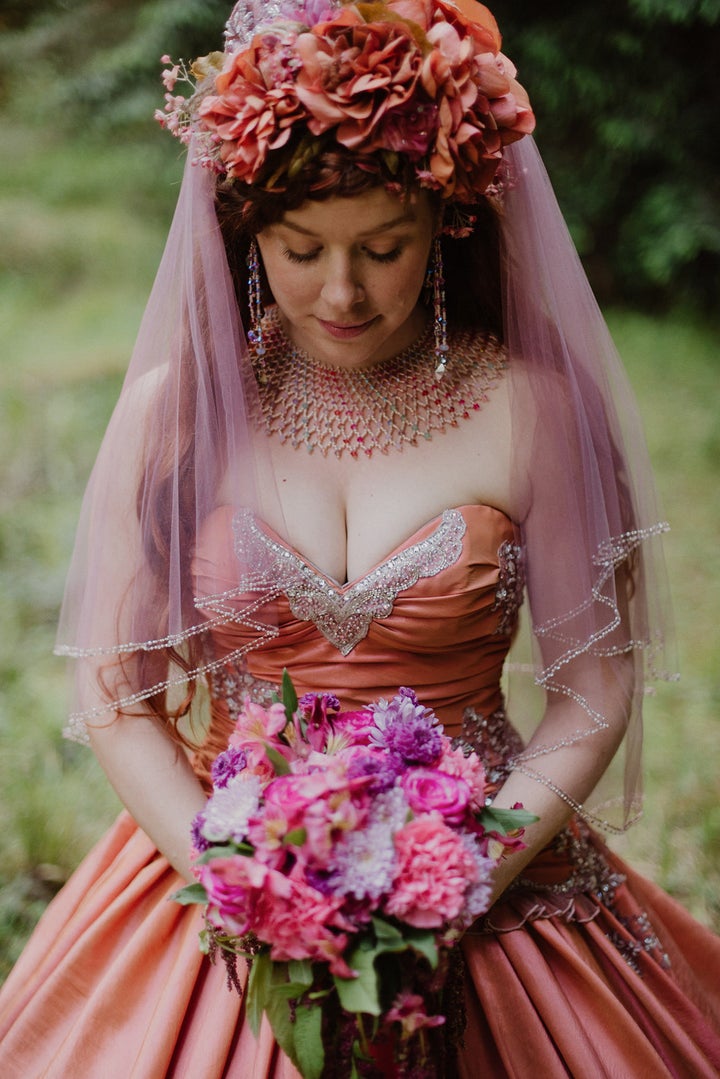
[(369, 213)]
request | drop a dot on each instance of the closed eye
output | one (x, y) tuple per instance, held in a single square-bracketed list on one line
[(384, 256), (297, 256)]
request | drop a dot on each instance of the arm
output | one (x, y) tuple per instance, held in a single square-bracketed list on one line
[(153, 778), (573, 770)]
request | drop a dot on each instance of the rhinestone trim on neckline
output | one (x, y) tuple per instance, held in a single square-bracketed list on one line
[(343, 613), (393, 403)]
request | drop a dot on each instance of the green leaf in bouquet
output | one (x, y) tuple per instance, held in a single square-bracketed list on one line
[(289, 696), (360, 994), (191, 893), (205, 940), (424, 942), (277, 1008), (301, 972), (391, 939), (212, 853), (295, 838), (505, 820), (388, 937), (281, 766), (258, 989), (308, 1041)]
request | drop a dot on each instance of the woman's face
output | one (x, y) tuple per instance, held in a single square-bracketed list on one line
[(347, 273)]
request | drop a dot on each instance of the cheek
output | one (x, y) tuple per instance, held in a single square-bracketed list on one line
[(407, 287), (289, 285)]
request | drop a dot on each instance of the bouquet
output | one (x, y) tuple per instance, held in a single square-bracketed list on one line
[(344, 854)]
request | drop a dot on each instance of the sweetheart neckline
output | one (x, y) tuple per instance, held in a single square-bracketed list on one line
[(343, 589)]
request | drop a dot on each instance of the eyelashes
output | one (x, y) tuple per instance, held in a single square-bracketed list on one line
[(295, 256), (383, 257)]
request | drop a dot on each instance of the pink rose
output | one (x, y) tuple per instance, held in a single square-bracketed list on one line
[(355, 726), (411, 129), (253, 108), (429, 789), (233, 885), (435, 870)]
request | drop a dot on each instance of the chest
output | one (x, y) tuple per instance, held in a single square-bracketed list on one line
[(345, 514)]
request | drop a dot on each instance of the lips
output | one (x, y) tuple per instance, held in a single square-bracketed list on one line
[(343, 331)]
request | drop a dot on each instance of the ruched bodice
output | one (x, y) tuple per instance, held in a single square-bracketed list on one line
[(437, 613)]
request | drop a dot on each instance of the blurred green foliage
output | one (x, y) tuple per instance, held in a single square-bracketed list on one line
[(624, 91), (625, 95)]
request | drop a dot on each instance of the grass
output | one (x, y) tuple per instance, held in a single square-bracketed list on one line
[(81, 236)]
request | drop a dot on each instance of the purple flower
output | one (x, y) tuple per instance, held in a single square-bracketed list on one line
[(365, 862), (410, 129), (199, 842), (479, 893), (405, 728), (384, 769), (227, 766)]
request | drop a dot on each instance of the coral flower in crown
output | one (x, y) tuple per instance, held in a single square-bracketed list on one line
[(420, 78)]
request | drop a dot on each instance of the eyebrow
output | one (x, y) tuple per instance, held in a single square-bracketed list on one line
[(404, 219)]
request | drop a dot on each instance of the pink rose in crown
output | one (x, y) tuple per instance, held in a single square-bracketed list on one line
[(410, 129)]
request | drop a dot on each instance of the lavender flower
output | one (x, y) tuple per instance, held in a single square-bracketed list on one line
[(384, 769), (227, 766), (365, 862), (477, 897), (407, 729), (229, 810)]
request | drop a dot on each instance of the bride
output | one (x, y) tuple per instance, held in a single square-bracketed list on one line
[(372, 409)]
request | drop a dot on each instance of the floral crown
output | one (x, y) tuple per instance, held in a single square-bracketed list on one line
[(420, 80)]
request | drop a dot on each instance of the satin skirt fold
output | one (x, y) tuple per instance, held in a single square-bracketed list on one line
[(113, 985)]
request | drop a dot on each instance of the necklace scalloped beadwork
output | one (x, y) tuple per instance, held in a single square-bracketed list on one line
[(395, 402)]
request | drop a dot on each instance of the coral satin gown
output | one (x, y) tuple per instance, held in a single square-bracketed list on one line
[(584, 969)]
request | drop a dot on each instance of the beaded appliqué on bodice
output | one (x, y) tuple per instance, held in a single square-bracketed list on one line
[(511, 586), (343, 613)]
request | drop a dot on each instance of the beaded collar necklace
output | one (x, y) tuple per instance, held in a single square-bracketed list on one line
[(395, 402)]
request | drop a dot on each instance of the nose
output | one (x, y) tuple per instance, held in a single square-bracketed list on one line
[(342, 288)]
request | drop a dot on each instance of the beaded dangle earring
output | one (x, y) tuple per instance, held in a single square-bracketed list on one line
[(436, 275), (255, 333)]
